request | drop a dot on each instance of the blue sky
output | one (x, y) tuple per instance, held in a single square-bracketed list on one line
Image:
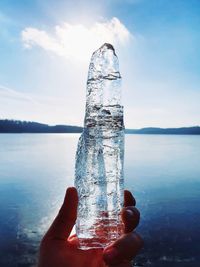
[(45, 48)]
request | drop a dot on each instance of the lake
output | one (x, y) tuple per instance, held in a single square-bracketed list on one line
[(162, 171)]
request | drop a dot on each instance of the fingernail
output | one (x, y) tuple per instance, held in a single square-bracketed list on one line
[(129, 214), (110, 254)]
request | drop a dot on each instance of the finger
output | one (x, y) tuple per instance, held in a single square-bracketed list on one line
[(129, 200), (125, 248), (73, 241), (130, 217), (66, 218)]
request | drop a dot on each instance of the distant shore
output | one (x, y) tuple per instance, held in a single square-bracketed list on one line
[(17, 126)]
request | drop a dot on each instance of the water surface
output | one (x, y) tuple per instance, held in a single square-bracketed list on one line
[(162, 171)]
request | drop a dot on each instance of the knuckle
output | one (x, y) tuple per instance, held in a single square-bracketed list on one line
[(133, 213)]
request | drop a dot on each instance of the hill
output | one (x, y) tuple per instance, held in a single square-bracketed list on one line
[(154, 130), (13, 126), (17, 126)]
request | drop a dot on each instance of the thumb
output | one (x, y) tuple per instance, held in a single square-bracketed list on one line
[(66, 218)]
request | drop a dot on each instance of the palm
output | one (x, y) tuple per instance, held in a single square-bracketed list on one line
[(59, 249), (66, 254)]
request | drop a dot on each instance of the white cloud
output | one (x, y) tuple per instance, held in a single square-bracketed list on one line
[(25, 106), (77, 41), (9, 93)]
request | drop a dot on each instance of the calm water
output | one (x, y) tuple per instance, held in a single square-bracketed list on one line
[(162, 171)]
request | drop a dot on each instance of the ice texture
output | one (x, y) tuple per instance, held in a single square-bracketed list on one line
[(100, 154)]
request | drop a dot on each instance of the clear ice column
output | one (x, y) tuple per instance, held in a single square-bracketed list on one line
[(100, 154)]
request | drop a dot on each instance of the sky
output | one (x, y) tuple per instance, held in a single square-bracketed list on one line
[(45, 50)]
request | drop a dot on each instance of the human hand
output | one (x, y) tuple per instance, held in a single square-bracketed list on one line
[(59, 250)]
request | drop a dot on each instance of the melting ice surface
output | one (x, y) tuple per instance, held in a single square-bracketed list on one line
[(100, 154)]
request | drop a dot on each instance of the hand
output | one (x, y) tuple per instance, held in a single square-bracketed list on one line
[(59, 250)]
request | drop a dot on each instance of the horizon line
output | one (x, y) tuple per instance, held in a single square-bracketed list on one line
[(127, 128)]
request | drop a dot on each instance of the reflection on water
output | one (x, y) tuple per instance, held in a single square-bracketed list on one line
[(163, 172)]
